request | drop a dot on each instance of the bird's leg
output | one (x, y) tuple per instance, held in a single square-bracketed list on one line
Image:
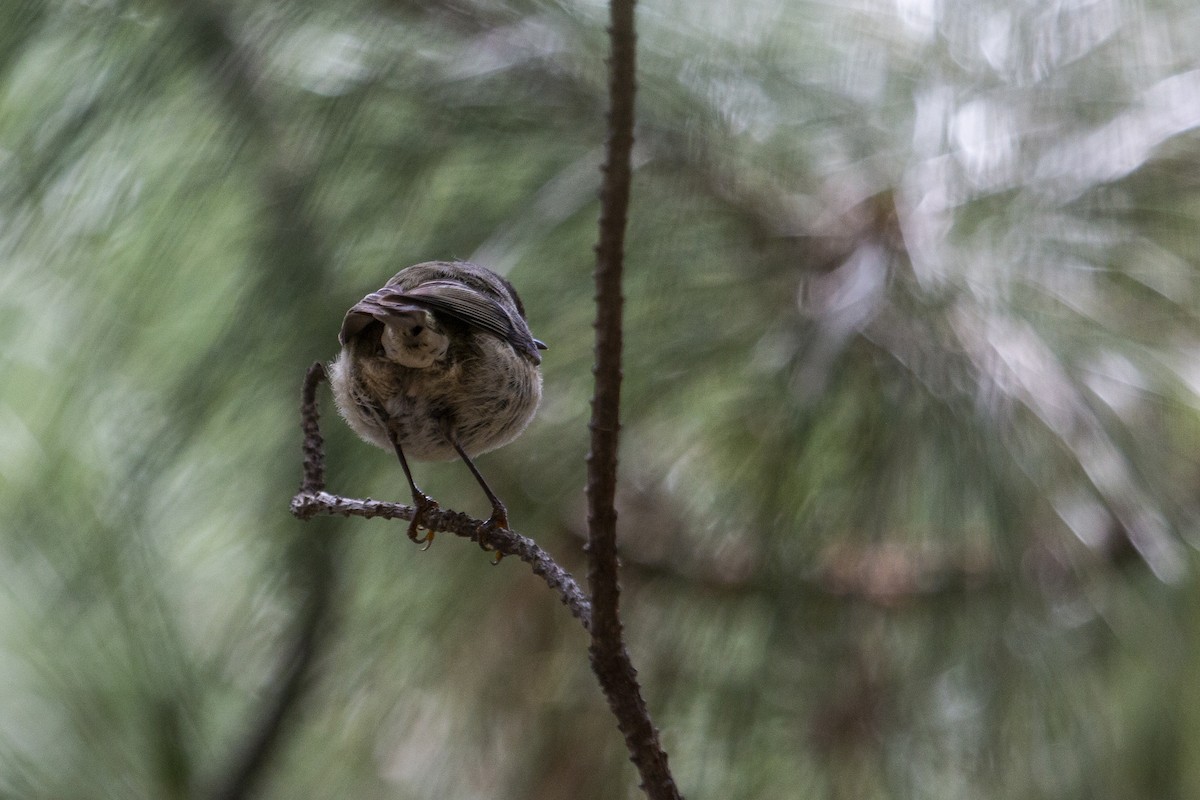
[(423, 503), (499, 517)]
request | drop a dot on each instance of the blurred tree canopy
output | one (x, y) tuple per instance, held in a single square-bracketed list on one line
[(911, 401)]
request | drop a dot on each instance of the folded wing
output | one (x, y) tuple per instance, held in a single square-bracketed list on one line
[(450, 298)]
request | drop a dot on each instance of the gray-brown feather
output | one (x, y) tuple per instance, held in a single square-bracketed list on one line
[(483, 390)]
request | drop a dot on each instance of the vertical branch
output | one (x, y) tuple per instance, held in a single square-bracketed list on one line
[(314, 445), (610, 659), (297, 267)]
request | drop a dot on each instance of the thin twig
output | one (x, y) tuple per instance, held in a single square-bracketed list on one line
[(312, 500), (610, 659), (314, 445), (307, 505)]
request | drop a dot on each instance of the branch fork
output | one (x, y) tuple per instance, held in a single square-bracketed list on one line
[(312, 500)]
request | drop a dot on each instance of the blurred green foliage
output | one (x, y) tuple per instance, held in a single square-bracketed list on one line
[(909, 471)]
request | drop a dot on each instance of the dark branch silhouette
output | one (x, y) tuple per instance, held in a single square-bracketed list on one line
[(289, 684), (292, 250), (610, 659)]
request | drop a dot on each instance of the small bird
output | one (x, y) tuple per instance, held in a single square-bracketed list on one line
[(439, 363)]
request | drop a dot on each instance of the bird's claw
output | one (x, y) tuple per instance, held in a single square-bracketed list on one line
[(497, 521), (423, 506)]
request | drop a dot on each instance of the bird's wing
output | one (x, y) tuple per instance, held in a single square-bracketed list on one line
[(477, 309), (464, 304), (453, 299)]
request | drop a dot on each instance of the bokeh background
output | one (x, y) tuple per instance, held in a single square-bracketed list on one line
[(912, 399)]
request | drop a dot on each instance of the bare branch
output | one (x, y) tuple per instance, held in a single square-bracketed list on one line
[(312, 500), (610, 659), (314, 445), (307, 505)]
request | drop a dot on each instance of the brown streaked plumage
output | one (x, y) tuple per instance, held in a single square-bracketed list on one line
[(438, 364)]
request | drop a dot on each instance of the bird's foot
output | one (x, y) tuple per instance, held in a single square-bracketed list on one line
[(423, 506), (497, 521)]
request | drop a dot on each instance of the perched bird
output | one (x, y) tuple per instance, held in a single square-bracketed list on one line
[(439, 363)]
